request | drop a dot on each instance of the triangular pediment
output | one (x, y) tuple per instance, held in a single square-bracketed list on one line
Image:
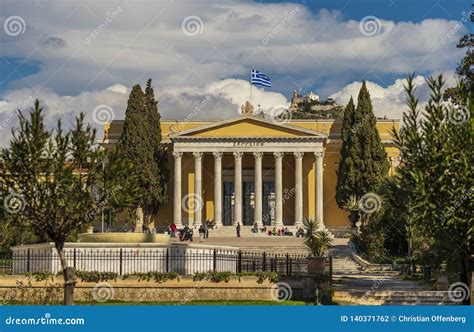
[(248, 126)]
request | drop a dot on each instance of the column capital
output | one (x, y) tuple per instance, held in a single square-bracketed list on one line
[(319, 154), (177, 154), (298, 155), (238, 154), (197, 155), (217, 155), (278, 155), (258, 155)]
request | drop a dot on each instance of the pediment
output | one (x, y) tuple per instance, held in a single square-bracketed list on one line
[(248, 126)]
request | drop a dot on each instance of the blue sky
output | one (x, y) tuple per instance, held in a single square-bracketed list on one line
[(397, 10), (78, 55)]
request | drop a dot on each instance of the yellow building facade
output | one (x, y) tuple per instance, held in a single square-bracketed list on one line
[(251, 169)]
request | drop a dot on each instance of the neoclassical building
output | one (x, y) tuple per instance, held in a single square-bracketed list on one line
[(253, 169)]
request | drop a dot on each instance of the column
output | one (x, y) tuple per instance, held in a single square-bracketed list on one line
[(218, 188), (197, 199), (298, 188), (177, 189), (319, 188), (258, 188), (278, 188), (238, 188)]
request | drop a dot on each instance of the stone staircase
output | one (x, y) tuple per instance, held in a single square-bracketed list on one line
[(342, 262), (387, 297)]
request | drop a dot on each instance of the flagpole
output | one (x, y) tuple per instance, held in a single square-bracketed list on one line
[(251, 86)]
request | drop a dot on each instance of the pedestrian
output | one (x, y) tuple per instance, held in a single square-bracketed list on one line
[(237, 228), (202, 233)]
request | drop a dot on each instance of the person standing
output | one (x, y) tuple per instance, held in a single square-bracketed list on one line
[(202, 233), (237, 228)]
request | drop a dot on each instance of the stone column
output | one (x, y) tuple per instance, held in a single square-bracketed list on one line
[(238, 188), (218, 188), (197, 198), (319, 187), (278, 188), (177, 189), (298, 188), (258, 188)]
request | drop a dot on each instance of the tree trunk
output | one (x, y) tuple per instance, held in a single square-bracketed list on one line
[(139, 220), (69, 274), (465, 264)]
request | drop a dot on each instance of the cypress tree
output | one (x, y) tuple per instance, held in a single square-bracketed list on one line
[(345, 172), (363, 163), (141, 143)]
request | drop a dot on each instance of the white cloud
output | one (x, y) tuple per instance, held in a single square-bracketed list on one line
[(218, 100), (390, 102), (132, 42)]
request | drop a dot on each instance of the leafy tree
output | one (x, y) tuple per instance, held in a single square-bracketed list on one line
[(436, 176), (53, 176), (141, 144), (464, 70), (363, 164)]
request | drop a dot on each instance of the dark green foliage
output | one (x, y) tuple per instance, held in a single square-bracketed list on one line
[(363, 164), (466, 74), (95, 276), (436, 180), (141, 144), (213, 276), (157, 277)]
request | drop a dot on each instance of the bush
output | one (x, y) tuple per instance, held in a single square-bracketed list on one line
[(212, 276), (95, 276), (158, 277)]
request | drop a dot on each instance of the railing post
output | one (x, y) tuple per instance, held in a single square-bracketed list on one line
[(167, 267), (287, 264), (264, 261), (239, 262), (330, 269), (214, 260), (28, 253), (121, 262), (74, 258)]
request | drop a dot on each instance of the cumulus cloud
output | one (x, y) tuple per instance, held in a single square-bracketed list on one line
[(390, 101), (218, 100), (119, 42)]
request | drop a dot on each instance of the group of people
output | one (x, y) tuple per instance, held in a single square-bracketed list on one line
[(184, 234)]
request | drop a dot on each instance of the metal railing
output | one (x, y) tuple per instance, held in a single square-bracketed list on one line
[(125, 262)]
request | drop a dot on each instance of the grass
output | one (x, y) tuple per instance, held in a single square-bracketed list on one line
[(209, 302)]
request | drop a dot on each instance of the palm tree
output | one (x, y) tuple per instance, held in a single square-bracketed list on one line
[(317, 241)]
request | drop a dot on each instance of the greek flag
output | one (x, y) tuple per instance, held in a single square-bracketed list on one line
[(259, 78)]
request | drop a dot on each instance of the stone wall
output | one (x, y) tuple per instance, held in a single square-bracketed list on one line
[(19, 288)]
